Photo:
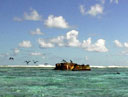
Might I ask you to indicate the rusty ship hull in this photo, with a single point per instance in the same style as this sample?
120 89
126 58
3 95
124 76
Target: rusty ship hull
72 66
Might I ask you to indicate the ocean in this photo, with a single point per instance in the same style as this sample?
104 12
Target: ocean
45 82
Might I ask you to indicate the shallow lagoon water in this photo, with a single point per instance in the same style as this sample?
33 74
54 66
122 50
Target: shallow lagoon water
44 82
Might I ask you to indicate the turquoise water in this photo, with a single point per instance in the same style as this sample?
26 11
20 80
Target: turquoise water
40 82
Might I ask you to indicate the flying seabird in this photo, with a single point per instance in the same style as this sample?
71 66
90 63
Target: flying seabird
11 58
35 62
27 62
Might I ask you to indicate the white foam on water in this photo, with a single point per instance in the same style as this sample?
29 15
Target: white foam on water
48 65
111 66
40 65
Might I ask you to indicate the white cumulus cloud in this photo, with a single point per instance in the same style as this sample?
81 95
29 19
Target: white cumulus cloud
82 9
16 51
118 43
56 22
59 41
71 40
114 1
33 15
25 44
126 44
98 46
123 45
44 44
95 10
36 32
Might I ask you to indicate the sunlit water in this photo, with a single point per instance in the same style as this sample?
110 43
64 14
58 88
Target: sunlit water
41 82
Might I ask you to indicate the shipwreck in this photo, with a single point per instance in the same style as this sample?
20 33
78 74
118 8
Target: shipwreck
64 65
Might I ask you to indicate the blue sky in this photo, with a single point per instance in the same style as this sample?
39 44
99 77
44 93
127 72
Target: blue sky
86 31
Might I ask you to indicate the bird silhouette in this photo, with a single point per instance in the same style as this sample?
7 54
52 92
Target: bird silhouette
35 62
71 61
11 58
27 62
64 61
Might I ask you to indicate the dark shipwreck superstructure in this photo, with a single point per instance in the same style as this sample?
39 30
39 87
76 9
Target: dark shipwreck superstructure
72 66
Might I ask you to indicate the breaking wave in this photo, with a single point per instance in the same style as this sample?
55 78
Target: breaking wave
112 66
42 65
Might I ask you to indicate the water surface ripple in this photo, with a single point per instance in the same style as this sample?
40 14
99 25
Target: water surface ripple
41 82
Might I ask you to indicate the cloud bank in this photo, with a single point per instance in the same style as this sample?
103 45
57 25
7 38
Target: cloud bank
71 40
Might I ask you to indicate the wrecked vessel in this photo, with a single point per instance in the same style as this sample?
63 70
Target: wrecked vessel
71 66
